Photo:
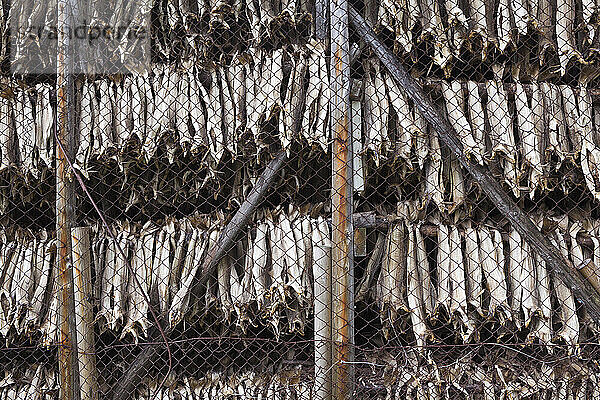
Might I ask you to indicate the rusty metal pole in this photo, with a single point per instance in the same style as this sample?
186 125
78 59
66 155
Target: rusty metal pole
342 247
67 353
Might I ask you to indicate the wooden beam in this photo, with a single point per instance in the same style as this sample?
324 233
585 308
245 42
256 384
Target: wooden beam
581 288
65 202
84 313
342 231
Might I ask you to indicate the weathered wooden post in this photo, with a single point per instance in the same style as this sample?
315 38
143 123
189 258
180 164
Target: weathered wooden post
67 352
342 232
84 313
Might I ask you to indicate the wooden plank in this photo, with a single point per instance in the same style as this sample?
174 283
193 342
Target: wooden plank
581 288
342 232
84 313
65 196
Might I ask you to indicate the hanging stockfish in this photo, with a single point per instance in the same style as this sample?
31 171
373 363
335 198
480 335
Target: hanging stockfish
6 134
491 254
477 119
433 30
179 240
150 88
444 288
473 271
416 288
406 127
44 125
543 330
137 322
183 110
260 267
571 114
197 114
421 137
501 133
314 120
42 271
229 109
25 130
545 14
565 33
294 99
48 325
24 283
86 120
373 266
590 153
214 118
555 121
458 301
123 111
434 187
138 109
530 141
168 123
457 184
566 315
12 257
455 107
106 295
224 268
503 32
522 280
255 94
104 125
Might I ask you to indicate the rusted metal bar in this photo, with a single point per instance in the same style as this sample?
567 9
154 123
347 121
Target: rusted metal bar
139 367
84 313
67 352
342 231
581 288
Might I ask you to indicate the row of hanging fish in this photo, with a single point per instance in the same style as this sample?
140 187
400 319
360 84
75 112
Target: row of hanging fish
213 111
38 382
501 379
491 27
28 302
286 384
474 275
266 279
556 127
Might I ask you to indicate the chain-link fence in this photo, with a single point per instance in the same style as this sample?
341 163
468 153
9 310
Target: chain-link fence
299 200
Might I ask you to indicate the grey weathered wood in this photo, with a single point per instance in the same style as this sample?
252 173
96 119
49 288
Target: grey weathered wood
342 231
581 288
140 366
84 313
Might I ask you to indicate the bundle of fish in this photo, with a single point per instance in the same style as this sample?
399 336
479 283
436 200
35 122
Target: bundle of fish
37 382
28 302
468 379
487 28
465 285
265 279
212 111
556 127
226 24
286 384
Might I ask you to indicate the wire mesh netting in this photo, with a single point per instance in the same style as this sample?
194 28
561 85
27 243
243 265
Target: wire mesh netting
249 199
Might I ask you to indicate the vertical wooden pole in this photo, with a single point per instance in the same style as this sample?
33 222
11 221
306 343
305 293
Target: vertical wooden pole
84 313
67 353
341 203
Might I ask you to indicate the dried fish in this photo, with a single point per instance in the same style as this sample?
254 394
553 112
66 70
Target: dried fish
530 140
415 290
406 127
260 266
6 134
492 262
197 114
444 265
474 283
103 127
86 128
25 130
477 118
434 187
565 30
455 106
214 119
